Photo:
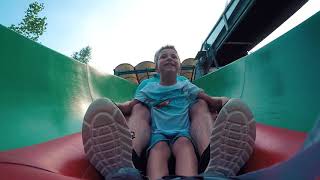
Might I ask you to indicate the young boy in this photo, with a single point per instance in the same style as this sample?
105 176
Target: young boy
108 143
169 102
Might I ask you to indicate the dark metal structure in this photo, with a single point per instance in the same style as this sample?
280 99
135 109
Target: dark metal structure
243 24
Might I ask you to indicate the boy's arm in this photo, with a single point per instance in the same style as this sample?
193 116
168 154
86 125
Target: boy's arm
126 107
215 103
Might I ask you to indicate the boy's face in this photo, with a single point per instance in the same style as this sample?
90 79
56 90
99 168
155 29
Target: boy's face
168 61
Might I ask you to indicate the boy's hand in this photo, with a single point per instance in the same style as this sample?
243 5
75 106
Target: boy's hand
214 103
221 101
224 100
125 107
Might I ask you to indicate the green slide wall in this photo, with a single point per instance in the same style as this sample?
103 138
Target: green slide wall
44 94
279 82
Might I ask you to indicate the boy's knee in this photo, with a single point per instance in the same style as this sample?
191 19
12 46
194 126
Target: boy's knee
160 147
182 143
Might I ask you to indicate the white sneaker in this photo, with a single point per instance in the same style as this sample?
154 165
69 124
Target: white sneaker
106 137
232 139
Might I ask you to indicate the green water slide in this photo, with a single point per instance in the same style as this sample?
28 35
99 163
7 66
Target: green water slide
44 94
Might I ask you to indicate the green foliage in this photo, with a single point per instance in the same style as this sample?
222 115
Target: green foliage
32 26
84 55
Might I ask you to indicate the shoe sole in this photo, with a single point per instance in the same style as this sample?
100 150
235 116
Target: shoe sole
232 138
106 137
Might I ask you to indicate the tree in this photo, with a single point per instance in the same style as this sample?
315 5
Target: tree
32 26
84 55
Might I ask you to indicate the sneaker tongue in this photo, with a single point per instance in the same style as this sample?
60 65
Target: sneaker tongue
214 175
206 176
125 173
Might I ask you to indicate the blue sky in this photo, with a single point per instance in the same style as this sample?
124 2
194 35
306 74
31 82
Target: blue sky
130 31
67 29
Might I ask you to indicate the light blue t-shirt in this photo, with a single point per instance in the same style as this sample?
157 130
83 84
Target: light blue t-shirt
169 105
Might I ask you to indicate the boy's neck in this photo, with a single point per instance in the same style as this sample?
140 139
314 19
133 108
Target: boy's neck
168 79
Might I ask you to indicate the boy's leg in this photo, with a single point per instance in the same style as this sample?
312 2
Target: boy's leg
186 160
201 125
157 166
139 124
107 140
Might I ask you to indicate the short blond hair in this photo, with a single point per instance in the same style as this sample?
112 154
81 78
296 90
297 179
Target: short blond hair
157 55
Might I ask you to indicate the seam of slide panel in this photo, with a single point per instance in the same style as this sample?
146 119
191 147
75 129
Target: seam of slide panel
244 79
88 81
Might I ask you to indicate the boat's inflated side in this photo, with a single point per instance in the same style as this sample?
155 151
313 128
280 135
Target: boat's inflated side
64 158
